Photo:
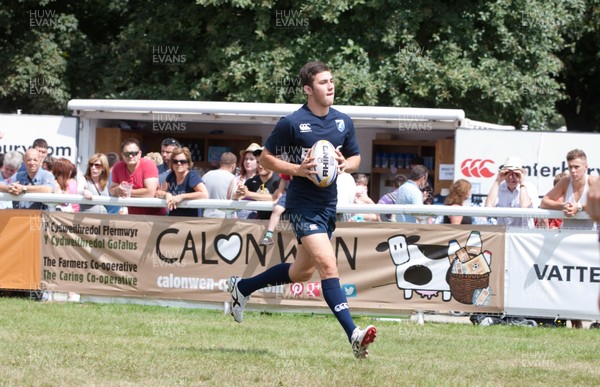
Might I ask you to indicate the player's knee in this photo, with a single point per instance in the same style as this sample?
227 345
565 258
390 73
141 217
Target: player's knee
301 275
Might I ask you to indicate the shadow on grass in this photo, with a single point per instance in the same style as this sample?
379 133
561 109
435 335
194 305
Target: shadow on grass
223 350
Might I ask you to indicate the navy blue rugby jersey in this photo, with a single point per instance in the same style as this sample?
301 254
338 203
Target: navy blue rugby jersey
292 138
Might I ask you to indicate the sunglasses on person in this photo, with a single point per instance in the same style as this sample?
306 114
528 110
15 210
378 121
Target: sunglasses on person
182 162
97 165
131 154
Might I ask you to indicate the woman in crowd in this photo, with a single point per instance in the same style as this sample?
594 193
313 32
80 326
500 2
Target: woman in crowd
94 183
249 162
182 183
459 192
64 172
248 169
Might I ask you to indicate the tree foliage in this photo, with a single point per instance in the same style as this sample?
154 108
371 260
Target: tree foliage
508 61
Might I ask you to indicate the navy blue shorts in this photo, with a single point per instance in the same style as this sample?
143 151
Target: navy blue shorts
308 221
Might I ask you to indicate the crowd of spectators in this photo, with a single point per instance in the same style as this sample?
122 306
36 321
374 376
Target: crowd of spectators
170 174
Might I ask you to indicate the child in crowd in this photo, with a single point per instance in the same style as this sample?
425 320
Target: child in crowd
362 197
279 209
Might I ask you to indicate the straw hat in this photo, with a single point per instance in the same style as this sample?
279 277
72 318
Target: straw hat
513 163
251 148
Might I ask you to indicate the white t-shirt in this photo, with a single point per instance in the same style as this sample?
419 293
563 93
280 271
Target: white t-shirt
217 183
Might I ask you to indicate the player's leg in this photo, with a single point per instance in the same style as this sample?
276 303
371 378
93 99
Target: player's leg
241 289
317 242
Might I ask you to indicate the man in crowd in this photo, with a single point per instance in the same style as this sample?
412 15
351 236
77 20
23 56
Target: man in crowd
166 148
510 189
41 146
219 183
410 192
33 180
573 190
139 175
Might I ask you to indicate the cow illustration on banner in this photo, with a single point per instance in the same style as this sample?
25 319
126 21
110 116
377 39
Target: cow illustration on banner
430 269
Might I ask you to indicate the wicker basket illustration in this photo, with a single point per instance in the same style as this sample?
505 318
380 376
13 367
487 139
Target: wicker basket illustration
462 286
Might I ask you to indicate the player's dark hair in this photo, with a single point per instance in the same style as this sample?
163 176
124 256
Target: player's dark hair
309 70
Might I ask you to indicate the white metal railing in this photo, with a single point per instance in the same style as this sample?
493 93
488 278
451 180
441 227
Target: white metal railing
423 210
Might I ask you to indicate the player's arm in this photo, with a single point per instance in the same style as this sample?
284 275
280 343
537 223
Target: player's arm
349 165
269 161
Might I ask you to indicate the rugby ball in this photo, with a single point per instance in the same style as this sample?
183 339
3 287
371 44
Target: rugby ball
327 167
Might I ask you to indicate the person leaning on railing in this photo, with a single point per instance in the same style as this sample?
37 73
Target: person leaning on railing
135 177
182 183
94 183
511 190
32 180
8 173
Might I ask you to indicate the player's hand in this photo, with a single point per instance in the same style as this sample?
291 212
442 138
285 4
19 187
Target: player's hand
306 169
341 160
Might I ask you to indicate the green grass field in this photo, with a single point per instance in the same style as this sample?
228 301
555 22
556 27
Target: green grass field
71 344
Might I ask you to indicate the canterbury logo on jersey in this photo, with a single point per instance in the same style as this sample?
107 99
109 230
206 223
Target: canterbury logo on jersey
305 128
340 307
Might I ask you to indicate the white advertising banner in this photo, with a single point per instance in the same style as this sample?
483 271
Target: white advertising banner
480 153
552 273
21 130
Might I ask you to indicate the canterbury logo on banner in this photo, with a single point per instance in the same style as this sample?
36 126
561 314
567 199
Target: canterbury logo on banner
477 168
